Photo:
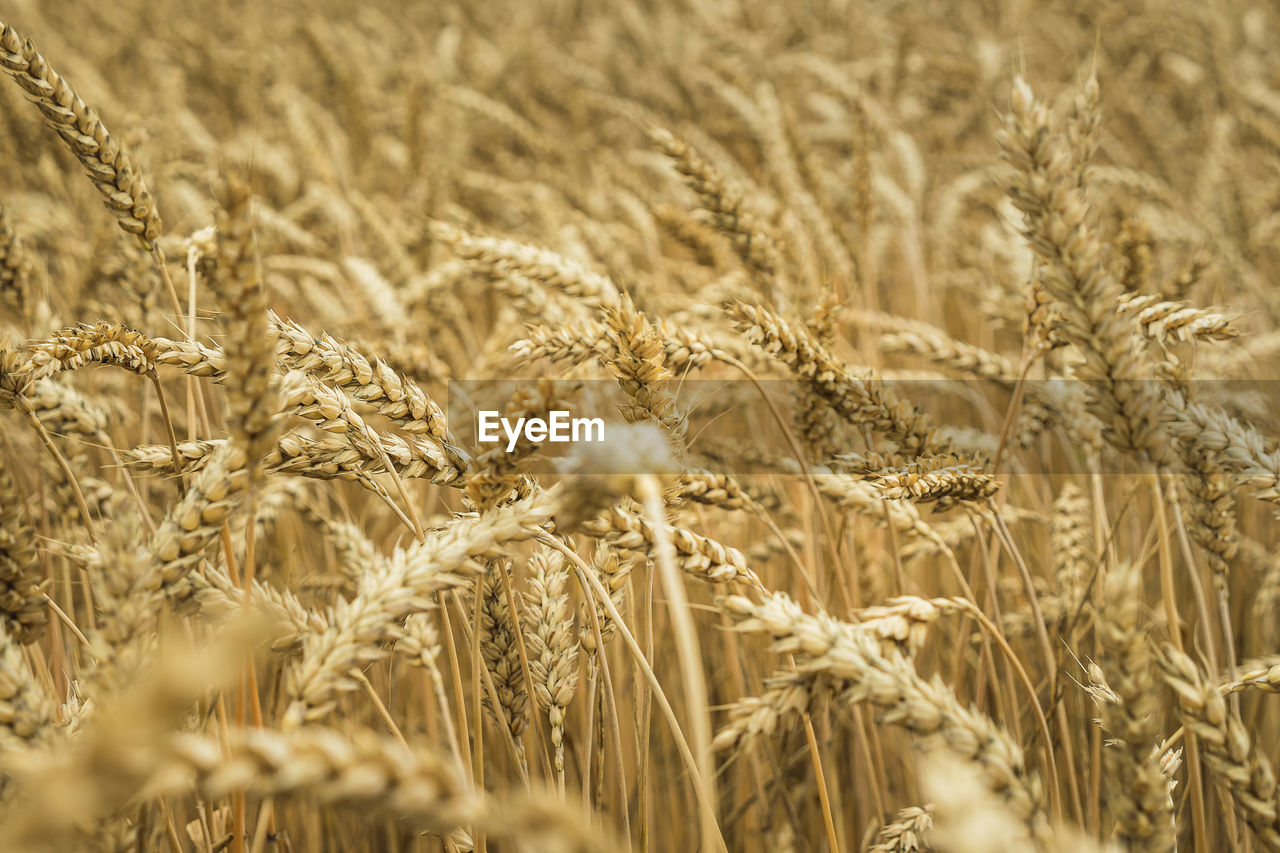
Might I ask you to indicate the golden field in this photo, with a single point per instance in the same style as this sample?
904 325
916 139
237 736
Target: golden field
935 342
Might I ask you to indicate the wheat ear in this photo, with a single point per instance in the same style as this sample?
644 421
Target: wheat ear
551 642
1139 793
908 833
404 583
853 660
15 270
108 163
22 609
1226 745
861 401
364 773
26 712
1044 187
250 341
730 212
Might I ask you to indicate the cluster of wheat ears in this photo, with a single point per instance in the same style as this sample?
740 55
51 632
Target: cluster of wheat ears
257 594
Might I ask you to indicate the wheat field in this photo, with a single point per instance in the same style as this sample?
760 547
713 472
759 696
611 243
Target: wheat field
933 347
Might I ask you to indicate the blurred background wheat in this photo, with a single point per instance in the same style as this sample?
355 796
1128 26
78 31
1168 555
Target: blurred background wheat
257 594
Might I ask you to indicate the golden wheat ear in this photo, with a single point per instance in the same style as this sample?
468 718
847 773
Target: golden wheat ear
15 270
107 162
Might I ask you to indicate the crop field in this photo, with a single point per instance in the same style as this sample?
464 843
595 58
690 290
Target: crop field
639 425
